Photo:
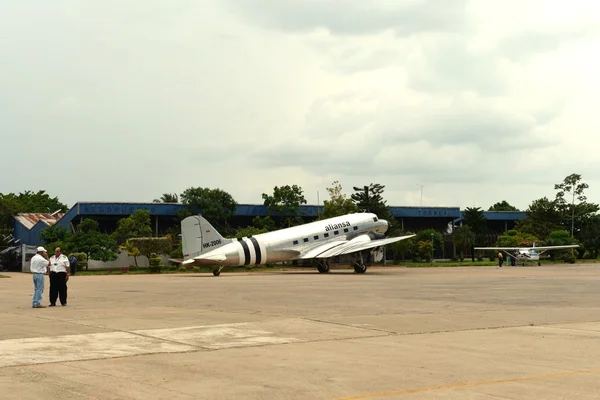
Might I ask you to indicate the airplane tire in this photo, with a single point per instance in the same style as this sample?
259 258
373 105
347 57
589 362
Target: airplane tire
322 269
216 272
360 269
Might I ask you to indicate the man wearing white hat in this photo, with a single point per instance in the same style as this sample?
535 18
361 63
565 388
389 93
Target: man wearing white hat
40 265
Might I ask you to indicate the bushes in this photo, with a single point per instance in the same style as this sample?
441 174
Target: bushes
155 263
81 260
152 245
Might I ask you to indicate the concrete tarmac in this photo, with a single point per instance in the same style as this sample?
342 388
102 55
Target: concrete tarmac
392 333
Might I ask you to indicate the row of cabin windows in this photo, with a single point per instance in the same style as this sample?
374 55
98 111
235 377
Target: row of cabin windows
326 234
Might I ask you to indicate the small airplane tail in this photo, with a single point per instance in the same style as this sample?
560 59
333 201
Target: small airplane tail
198 236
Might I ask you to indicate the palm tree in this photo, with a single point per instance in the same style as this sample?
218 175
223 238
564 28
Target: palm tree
464 238
167 198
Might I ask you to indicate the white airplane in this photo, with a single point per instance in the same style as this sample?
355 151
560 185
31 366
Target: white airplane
528 254
359 234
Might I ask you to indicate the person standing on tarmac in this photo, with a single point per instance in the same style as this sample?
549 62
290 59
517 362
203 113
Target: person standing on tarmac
60 270
40 264
500 259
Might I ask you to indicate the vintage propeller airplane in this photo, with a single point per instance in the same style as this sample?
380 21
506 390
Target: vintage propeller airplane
358 234
527 254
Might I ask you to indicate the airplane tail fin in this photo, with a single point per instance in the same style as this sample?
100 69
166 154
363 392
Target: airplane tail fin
198 236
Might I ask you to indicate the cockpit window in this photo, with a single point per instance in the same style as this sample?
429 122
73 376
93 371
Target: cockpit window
374 219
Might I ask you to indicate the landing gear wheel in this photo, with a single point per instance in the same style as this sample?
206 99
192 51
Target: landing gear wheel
539 264
323 267
217 272
360 269
359 263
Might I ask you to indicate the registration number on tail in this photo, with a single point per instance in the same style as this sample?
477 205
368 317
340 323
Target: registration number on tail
212 243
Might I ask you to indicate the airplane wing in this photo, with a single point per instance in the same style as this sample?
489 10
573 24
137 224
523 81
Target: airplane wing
566 246
341 247
499 248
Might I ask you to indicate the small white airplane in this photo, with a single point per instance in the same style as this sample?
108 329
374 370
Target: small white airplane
359 234
528 254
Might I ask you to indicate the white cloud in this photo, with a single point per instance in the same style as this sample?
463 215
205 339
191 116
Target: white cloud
477 101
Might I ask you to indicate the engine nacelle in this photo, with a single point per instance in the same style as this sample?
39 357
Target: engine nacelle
376 236
367 237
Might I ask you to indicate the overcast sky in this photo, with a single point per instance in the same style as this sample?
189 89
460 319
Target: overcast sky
478 101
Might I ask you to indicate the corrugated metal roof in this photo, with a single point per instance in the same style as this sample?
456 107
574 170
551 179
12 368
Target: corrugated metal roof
28 220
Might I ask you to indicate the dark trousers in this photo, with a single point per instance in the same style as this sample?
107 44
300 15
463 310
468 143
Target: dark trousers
58 287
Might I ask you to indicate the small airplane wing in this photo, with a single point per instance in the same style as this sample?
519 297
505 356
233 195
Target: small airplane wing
566 246
499 248
342 247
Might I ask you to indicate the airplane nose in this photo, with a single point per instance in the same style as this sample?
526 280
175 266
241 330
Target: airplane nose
387 226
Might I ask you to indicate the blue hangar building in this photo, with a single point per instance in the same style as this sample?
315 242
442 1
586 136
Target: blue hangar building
28 226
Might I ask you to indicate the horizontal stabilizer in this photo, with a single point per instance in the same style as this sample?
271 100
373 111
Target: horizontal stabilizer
216 257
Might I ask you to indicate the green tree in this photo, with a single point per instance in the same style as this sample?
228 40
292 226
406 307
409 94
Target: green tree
425 236
574 214
28 201
542 217
97 246
570 185
503 206
559 238
265 224
57 236
249 231
515 238
39 202
167 198
424 250
151 246
338 204
216 205
285 201
132 251
590 236
463 239
474 218
400 248
137 224
369 198
9 206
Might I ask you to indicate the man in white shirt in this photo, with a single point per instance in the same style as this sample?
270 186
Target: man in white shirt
60 269
40 265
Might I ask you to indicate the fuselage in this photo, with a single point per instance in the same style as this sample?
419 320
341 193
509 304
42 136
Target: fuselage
528 254
286 244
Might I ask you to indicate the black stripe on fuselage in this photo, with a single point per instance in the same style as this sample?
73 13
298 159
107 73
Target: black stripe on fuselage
246 251
256 249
